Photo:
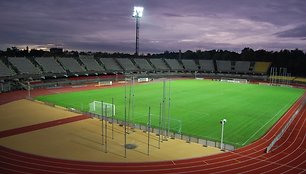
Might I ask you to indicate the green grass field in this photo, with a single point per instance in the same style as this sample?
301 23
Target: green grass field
198 105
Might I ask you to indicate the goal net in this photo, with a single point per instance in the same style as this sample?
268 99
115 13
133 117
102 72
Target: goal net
102 108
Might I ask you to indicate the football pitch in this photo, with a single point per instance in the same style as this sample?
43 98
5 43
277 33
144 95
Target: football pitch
196 106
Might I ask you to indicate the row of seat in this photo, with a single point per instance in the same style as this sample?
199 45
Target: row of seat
62 65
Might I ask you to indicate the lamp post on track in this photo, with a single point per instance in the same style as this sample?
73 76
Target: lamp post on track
223 121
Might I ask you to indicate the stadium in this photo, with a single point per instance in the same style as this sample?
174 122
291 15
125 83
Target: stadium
212 111
141 94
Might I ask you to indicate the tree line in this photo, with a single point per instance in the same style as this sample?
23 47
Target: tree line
293 60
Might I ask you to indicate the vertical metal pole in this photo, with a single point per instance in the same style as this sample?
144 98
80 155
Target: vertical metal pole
125 121
169 99
133 100
271 70
222 129
149 127
105 150
164 111
113 118
130 98
102 122
159 124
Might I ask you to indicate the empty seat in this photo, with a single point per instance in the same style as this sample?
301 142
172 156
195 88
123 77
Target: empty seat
127 64
110 64
71 64
24 65
49 65
242 66
143 64
224 66
207 65
190 65
159 64
5 71
261 67
91 64
174 64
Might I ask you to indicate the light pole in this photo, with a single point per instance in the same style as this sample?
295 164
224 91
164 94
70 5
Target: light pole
137 14
223 121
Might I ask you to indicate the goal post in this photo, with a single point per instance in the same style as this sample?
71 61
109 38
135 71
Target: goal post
108 109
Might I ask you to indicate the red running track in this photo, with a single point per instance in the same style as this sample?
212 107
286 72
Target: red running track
287 157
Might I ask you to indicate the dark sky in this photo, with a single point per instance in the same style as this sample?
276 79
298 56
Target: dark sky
107 25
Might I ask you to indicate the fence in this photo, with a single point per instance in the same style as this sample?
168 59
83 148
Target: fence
181 136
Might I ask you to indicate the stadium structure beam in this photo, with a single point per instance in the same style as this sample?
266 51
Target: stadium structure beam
137 14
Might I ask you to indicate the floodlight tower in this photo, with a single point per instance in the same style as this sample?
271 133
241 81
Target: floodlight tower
223 121
137 14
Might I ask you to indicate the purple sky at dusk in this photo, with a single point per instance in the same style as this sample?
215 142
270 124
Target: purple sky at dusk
107 25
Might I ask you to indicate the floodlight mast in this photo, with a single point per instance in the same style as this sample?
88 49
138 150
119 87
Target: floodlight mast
137 14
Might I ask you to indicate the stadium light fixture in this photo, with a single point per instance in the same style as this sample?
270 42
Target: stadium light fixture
137 14
223 121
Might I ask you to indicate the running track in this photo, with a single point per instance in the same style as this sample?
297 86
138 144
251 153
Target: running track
288 156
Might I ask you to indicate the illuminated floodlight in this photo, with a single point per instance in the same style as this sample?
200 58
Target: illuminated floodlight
138 11
137 14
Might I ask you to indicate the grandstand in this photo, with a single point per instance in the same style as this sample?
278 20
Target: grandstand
174 65
71 64
91 64
190 65
224 66
207 65
242 66
261 67
127 64
49 65
159 64
5 71
143 64
111 65
24 65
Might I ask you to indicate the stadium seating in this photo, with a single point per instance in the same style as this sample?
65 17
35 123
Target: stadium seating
242 66
190 65
110 64
24 65
174 64
261 67
127 64
91 64
5 71
207 65
143 64
49 65
159 64
71 64
224 66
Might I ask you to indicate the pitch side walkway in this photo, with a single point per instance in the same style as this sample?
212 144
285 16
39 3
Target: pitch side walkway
44 125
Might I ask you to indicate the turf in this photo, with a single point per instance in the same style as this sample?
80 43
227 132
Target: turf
196 106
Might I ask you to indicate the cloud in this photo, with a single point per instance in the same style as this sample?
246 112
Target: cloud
166 25
299 32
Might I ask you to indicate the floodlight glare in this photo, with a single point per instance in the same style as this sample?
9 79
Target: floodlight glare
138 12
